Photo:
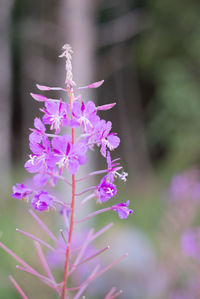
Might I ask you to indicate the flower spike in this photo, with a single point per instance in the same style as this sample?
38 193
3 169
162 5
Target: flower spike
60 142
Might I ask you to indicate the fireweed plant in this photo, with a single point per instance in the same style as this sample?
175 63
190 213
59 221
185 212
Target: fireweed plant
52 154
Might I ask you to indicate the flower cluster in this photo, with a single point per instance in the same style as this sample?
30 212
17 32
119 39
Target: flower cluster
40 201
54 152
56 148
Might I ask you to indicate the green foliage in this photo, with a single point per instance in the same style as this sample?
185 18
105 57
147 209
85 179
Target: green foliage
169 56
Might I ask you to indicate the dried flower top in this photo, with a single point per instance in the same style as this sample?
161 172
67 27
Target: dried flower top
67 53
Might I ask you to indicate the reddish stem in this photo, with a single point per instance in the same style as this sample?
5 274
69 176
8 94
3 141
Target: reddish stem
67 255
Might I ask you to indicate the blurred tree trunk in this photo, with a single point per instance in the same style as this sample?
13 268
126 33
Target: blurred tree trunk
134 147
5 87
78 29
37 58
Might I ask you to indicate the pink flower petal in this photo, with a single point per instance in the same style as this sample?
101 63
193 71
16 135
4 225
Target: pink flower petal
43 87
106 107
39 97
93 85
39 125
96 84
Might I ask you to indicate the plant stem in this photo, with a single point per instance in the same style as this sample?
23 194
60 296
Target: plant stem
67 255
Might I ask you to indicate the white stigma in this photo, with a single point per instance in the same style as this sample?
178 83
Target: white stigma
38 204
63 162
122 175
109 191
56 121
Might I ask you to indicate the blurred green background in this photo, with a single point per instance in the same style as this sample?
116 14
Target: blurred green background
148 52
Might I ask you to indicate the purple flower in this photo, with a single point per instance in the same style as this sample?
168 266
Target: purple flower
122 209
104 138
68 155
105 190
42 159
21 191
55 114
84 115
42 201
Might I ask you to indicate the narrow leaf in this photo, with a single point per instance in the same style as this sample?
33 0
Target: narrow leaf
17 258
44 88
43 226
82 289
110 293
116 294
18 288
92 85
39 97
45 265
106 107
36 239
93 256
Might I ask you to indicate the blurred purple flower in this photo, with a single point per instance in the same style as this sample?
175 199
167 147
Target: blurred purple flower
185 186
56 258
122 209
180 186
42 201
180 294
191 243
21 191
41 179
